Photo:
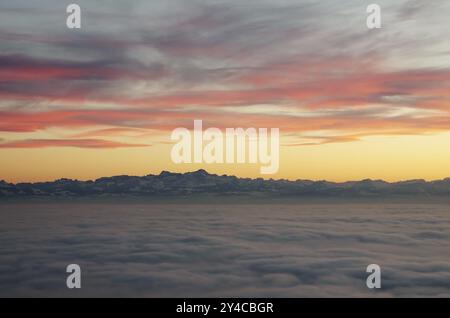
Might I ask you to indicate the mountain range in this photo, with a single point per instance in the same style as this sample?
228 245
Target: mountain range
168 184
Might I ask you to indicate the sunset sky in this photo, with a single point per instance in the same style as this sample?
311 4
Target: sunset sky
351 103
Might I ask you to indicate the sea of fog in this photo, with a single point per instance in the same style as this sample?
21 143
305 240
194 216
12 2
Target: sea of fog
207 250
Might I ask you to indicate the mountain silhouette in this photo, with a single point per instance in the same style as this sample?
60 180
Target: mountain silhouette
201 182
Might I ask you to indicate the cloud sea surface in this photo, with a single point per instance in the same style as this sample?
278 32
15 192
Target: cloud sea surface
149 250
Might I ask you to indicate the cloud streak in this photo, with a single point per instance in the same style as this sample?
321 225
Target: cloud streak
78 143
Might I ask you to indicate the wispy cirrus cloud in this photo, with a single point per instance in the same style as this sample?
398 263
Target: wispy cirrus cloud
77 143
173 63
18 68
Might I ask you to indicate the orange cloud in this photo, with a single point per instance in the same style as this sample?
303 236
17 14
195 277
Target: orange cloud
78 143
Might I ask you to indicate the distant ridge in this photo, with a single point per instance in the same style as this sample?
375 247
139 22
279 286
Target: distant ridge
201 182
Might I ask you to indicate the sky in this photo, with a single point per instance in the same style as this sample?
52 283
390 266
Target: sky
351 103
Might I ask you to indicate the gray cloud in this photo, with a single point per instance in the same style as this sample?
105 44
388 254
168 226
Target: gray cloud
206 250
